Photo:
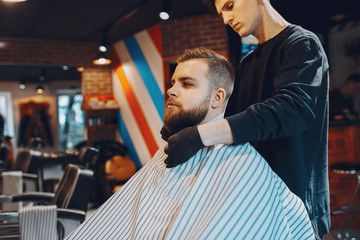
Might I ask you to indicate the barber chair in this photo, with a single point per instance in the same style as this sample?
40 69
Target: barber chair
88 156
66 221
50 173
348 168
22 162
72 194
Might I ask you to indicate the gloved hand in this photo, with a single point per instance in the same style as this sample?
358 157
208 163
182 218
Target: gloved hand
165 132
182 146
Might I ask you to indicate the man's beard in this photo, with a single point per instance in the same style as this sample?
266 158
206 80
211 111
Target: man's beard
186 118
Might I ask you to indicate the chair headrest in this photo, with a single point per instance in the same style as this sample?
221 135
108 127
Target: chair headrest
74 188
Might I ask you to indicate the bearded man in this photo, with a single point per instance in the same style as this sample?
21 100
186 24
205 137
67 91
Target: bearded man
222 192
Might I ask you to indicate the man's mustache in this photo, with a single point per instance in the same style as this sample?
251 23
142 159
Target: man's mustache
173 102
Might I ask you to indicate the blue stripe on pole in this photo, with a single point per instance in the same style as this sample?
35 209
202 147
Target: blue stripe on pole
146 74
128 142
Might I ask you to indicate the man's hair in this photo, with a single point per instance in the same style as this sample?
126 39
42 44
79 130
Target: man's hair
220 71
211 5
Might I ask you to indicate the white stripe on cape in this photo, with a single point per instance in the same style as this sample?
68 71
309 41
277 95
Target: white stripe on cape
223 192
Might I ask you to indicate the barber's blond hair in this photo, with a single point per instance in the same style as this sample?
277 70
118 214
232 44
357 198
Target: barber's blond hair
220 71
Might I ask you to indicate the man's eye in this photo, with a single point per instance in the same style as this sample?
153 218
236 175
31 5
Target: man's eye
229 6
188 84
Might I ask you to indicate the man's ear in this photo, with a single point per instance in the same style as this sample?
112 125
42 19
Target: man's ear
218 98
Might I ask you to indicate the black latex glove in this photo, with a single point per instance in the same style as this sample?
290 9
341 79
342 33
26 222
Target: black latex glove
182 146
165 133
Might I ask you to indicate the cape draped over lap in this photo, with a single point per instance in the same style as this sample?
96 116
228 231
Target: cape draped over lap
223 192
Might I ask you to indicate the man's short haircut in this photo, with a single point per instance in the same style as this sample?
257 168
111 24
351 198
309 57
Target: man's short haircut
211 5
220 71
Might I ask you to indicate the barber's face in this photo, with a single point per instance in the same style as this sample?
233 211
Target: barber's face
189 96
241 15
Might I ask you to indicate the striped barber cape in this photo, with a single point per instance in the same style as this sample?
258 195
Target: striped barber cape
223 192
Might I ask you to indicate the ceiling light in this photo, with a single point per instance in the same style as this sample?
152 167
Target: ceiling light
165 10
102 58
102 48
22 85
39 89
80 69
164 15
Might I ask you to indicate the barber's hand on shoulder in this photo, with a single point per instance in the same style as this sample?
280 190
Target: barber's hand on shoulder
182 146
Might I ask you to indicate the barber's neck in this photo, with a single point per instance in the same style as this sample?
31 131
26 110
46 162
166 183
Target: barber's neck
272 24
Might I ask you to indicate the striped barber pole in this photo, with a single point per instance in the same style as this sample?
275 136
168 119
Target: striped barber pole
138 83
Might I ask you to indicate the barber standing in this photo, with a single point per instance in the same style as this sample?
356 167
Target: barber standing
279 104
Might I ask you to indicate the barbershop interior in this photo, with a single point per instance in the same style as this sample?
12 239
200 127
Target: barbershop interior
83 86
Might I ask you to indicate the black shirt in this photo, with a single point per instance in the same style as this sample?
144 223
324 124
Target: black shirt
280 102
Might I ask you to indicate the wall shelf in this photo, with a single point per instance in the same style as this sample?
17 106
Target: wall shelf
100 118
99 102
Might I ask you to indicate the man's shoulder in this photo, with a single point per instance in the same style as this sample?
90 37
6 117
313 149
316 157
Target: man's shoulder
297 34
298 31
238 150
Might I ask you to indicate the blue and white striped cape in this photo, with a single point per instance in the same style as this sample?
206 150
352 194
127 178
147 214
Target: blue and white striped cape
223 192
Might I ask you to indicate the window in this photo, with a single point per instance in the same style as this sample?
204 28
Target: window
71 120
246 48
249 44
7 113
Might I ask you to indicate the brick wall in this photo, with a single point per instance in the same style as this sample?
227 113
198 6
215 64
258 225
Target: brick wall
203 30
96 81
42 51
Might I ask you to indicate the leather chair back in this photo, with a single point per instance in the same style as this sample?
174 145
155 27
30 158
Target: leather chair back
88 156
74 188
22 160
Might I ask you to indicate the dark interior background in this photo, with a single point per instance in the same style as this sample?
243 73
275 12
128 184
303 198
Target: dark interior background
91 21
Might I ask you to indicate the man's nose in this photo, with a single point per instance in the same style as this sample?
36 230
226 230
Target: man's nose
227 18
172 91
